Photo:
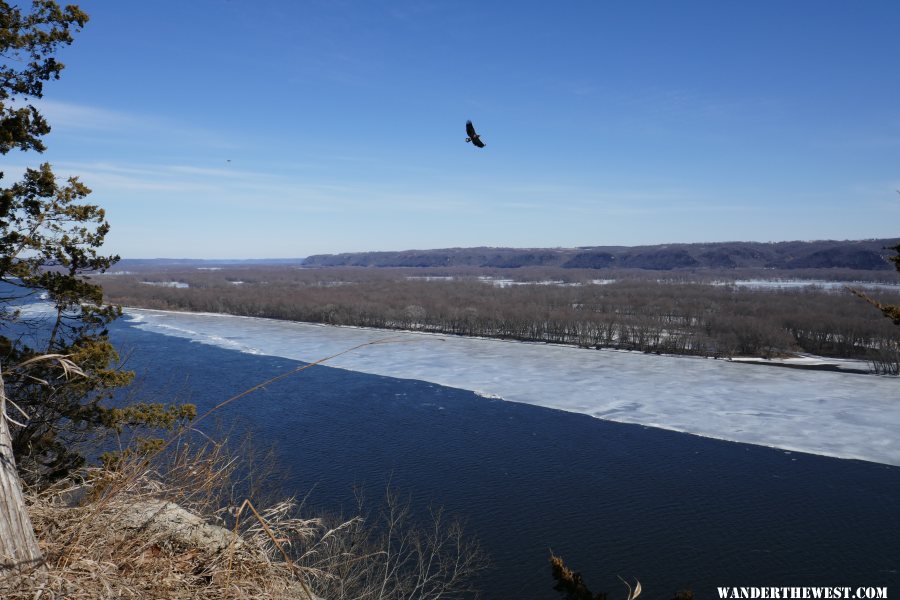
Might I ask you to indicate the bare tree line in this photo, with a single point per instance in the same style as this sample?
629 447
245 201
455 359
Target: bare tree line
681 314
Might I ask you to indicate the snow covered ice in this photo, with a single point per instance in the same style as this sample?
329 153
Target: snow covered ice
834 414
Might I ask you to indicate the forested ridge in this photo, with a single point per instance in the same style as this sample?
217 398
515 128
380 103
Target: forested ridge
821 254
699 313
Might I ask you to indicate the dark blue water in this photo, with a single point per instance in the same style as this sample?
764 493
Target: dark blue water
670 509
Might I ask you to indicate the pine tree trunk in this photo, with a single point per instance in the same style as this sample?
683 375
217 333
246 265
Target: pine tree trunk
19 551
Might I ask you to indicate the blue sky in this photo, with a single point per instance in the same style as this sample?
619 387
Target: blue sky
233 129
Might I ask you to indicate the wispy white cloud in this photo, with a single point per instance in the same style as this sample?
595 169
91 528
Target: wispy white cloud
76 116
202 185
97 123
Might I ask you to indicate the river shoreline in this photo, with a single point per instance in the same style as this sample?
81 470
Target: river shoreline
836 414
796 360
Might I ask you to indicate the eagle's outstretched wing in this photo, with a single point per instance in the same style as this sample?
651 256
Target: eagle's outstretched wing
473 137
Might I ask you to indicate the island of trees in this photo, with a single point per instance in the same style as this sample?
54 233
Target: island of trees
760 312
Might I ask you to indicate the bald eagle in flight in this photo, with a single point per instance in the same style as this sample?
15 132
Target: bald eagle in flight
473 137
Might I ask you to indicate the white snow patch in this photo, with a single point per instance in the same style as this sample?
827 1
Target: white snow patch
169 284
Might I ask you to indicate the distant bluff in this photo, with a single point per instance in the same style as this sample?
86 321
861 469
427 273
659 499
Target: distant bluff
870 255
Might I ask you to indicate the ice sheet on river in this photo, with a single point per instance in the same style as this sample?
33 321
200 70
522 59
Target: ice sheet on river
834 414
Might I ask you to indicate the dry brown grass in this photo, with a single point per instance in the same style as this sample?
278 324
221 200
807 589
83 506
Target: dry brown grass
170 525
147 528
